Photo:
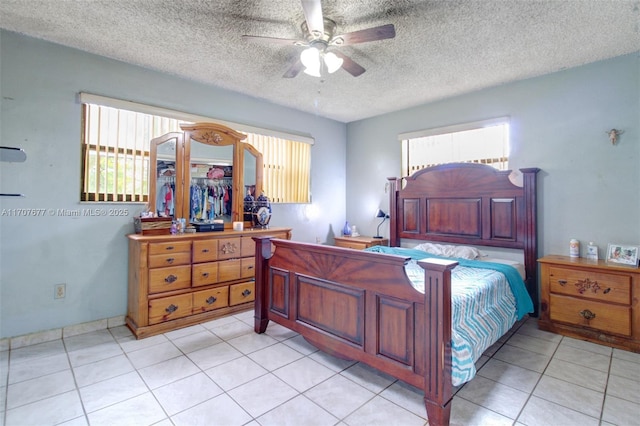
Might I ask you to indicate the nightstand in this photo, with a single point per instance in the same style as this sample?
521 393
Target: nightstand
590 300
360 243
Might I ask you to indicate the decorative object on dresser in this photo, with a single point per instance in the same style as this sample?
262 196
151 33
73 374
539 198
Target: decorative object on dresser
590 300
362 306
181 280
622 254
360 242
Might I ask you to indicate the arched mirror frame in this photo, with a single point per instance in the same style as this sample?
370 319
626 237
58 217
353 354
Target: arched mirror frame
210 134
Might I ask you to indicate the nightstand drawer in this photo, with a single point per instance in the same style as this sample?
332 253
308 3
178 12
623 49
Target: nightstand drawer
589 284
587 313
360 243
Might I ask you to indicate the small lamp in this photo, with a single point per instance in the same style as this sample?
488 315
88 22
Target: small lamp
384 217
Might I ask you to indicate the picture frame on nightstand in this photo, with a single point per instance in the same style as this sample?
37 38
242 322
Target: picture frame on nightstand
623 254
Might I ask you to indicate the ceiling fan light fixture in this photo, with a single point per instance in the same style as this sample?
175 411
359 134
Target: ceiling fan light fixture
310 58
332 62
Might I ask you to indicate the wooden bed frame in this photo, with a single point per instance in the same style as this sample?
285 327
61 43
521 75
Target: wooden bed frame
361 306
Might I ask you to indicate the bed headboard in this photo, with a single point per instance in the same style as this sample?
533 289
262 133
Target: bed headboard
472 204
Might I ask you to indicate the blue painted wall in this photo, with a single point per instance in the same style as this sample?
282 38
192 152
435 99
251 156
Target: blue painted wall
39 83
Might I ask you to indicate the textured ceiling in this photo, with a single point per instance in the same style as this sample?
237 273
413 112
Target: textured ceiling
441 48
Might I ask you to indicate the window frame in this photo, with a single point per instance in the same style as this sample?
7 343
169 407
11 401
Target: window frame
404 138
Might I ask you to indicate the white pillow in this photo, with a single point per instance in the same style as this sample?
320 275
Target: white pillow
462 252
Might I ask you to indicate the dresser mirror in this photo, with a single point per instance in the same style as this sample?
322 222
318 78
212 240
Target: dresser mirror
212 171
163 171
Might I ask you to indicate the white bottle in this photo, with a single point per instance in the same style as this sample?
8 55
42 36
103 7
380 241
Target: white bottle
574 248
592 251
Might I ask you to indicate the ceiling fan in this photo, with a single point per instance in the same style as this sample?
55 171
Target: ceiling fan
321 43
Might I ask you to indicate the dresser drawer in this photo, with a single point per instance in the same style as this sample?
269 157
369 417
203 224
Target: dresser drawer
592 314
167 279
228 270
247 247
170 308
590 284
204 274
241 293
207 300
169 259
229 248
205 251
247 267
172 247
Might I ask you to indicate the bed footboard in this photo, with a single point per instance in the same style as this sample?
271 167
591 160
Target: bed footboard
361 306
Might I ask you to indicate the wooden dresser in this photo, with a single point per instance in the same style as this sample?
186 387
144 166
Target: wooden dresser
590 300
360 243
181 280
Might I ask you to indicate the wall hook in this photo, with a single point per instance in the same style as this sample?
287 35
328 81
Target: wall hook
613 135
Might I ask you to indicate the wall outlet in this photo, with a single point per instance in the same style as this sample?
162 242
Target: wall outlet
59 291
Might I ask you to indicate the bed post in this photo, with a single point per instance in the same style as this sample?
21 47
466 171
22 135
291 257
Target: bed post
438 390
394 184
263 253
530 235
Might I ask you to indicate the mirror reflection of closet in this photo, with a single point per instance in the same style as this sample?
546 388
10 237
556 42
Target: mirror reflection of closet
206 158
163 173
210 178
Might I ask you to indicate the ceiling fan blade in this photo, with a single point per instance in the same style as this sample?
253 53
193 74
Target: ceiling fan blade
313 16
349 64
294 69
363 36
274 40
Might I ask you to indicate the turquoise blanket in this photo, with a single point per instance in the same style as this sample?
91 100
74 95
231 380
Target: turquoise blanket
524 304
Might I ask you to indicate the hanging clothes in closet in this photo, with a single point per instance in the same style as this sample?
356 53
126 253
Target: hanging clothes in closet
210 199
165 199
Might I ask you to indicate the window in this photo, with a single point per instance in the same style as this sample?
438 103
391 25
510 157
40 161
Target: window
115 152
485 142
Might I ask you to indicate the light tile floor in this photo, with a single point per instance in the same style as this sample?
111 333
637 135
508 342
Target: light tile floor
222 373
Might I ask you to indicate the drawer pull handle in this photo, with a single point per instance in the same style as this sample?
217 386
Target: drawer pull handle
250 267
587 314
170 279
169 247
205 250
205 274
211 300
562 282
170 260
171 308
607 290
246 293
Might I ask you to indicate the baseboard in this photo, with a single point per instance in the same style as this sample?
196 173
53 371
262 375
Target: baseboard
59 333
